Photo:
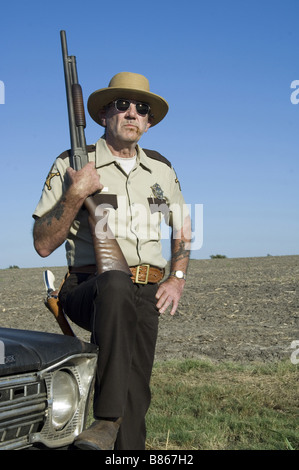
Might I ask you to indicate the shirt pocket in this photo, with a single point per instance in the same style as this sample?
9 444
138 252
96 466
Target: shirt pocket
106 200
158 205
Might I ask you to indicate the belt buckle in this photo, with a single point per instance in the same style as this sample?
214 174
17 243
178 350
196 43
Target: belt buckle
147 266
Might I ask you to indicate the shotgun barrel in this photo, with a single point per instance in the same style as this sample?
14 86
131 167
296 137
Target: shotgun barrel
108 254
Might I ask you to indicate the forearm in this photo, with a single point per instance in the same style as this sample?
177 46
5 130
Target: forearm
51 230
180 248
179 255
170 291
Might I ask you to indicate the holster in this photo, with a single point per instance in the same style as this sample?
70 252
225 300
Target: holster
53 304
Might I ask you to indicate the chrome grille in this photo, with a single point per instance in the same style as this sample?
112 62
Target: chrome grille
23 404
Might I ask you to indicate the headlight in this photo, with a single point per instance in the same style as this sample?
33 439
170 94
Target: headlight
69 387
65 396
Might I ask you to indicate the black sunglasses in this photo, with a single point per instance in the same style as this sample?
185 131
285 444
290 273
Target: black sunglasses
122 105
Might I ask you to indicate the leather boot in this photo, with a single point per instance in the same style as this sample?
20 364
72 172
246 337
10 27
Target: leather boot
101 435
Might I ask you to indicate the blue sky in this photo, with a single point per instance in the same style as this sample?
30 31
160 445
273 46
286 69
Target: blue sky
232 132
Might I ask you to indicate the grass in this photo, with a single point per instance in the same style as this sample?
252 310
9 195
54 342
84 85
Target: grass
198 405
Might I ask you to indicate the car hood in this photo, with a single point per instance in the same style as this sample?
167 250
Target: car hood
27 351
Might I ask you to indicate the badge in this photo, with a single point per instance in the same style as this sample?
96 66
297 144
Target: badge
157 191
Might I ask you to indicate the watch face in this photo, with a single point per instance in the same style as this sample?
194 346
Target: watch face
179 274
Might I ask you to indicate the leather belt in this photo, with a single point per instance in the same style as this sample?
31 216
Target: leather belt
146 274
142 274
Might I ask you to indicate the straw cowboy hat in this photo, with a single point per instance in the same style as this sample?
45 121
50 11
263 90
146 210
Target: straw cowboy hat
131 86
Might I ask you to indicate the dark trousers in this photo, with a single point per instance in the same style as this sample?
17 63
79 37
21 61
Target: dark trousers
123 320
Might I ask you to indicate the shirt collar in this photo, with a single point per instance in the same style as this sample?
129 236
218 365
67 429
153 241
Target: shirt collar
104 157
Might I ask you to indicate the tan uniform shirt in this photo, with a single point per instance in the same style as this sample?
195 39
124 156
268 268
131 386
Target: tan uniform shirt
136 204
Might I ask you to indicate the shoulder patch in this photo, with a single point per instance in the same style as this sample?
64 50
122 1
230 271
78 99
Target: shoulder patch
157 156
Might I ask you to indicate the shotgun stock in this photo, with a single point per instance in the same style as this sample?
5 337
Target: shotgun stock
108 254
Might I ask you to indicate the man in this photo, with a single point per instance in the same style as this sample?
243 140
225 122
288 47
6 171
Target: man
137 188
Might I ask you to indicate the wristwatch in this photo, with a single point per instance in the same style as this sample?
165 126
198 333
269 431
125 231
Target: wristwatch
178 274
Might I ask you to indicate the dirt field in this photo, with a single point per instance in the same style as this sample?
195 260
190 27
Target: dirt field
244 309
